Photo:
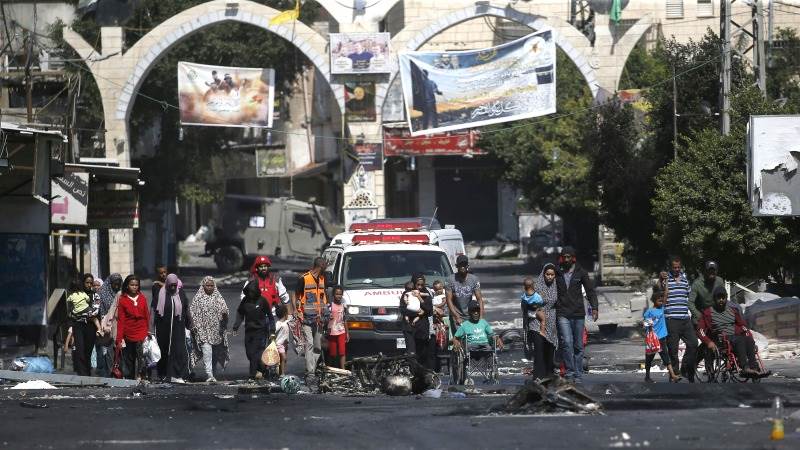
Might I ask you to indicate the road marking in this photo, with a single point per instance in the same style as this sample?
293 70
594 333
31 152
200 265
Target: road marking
134 441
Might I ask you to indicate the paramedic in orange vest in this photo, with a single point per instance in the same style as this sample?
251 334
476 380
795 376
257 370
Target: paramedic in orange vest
270 284
311 308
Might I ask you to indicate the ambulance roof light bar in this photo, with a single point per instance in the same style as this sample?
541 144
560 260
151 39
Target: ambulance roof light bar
380 238
406 225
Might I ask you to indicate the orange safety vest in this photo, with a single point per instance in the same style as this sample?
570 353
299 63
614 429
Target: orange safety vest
313 292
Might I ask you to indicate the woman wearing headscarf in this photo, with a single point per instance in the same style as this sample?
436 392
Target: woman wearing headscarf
107 294
172 319
544 345
209 321
416 306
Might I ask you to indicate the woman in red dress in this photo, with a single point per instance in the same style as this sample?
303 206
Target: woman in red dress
132 327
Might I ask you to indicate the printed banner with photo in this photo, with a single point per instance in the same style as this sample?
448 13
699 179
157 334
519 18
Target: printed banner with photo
359 101
270 162
467 89
361 53
225 96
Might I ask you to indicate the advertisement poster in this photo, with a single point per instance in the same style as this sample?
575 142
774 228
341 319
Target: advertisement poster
114 209
467 89
361 53
370 156
399 142
70 199
359 101
23 282
773 146
270 162
225 96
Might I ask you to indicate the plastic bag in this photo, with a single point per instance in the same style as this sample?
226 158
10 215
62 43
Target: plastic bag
271 357
34 364
151 351
651 343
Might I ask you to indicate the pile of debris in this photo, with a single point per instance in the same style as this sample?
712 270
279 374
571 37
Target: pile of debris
549 396
391 375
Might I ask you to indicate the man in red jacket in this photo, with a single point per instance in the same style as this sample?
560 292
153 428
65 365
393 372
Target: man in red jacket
724 319
270 284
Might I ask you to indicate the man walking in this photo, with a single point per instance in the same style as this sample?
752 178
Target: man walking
311 309
679 320
459 290
270 285
703 287
573 281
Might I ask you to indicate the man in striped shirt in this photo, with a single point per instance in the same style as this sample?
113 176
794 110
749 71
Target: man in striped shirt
679 319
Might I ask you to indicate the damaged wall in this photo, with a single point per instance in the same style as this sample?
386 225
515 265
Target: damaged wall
773 154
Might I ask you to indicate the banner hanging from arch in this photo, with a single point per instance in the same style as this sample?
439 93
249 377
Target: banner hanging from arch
225 96
445 91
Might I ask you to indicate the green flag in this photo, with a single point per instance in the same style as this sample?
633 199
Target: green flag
616 11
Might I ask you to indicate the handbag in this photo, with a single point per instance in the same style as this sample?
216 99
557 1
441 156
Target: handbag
116 372
151 350
651 343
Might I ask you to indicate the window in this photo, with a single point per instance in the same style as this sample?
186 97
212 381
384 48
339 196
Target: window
257 222
392 269
304 222
705 8
674 9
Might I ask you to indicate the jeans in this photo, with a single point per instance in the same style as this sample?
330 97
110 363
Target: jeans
312 347
677 330
133 364
570 338
105 359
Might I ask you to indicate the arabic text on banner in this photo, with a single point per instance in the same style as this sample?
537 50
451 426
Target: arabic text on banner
446 91
225 96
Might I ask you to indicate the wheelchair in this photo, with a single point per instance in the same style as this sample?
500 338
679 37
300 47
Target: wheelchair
464 365
722 366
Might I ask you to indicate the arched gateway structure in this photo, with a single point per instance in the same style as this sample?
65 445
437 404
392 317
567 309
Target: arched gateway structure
119 72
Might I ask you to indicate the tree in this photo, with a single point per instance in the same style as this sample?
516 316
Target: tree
702 208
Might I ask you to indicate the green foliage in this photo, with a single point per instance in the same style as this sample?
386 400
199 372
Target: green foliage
782 66
544 157
702 208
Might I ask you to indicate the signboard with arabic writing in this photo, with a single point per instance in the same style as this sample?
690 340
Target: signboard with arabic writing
455 90
70 198
399 142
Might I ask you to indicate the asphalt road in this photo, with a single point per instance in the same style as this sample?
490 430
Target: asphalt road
199 416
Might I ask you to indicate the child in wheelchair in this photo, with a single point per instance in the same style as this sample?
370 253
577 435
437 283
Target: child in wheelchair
722 321
477 332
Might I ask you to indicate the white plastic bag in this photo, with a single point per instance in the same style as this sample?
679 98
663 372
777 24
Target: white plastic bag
271 357
152 353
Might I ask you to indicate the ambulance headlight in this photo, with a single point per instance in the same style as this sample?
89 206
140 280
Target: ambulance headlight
354 310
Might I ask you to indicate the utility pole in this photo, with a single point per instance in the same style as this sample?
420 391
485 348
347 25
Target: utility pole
725 73
674 113
729 29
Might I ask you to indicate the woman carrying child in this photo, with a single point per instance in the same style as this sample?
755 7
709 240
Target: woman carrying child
543 324
416 305
654 319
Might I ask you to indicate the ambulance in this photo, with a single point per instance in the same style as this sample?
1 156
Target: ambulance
372 261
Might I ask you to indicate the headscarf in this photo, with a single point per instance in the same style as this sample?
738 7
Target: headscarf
549 297
207 311
177 307
107 294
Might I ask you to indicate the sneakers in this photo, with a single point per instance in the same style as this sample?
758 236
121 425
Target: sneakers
177 380
259 376
211 380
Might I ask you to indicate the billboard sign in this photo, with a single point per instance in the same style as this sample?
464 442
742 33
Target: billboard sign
399 142
70 195
225 96
446 91
773 154
361 53
270 162
114 209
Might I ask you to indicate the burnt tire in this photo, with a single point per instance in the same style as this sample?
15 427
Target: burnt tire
229 259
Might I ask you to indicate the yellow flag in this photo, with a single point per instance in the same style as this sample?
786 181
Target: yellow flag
287 16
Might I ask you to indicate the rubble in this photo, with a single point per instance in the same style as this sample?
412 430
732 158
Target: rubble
548 397
391 375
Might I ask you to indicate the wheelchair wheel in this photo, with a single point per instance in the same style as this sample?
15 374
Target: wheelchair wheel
457 367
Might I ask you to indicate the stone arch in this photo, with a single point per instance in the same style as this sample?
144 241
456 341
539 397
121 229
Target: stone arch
625 45
160 39
567 37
